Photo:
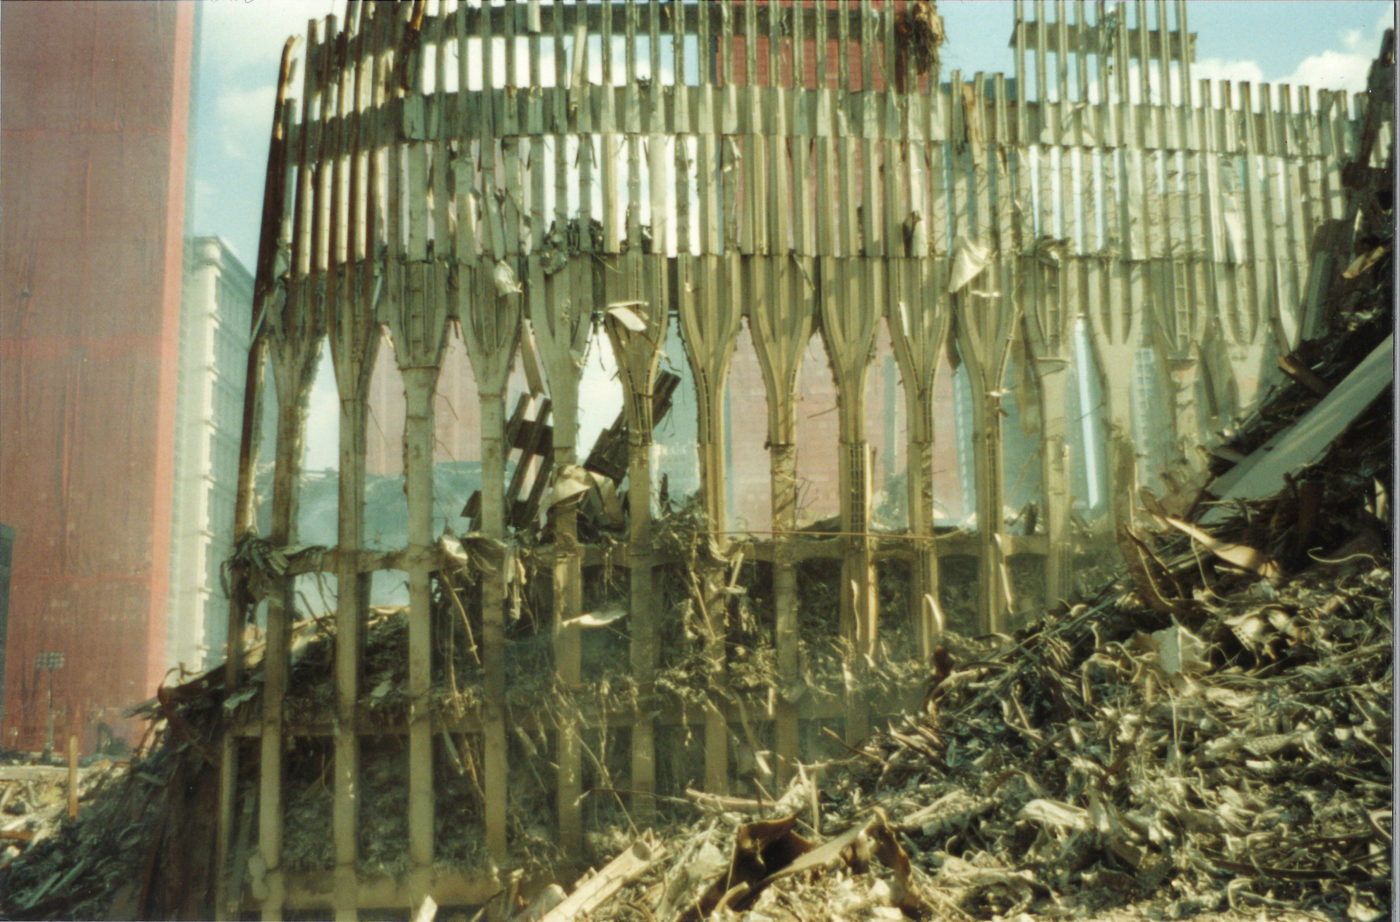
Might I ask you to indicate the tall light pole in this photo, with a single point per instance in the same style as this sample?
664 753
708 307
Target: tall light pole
49 661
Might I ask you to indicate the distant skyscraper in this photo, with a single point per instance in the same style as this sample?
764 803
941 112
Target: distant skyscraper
216 306
94 135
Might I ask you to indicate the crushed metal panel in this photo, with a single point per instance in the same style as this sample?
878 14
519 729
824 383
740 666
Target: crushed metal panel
1261 474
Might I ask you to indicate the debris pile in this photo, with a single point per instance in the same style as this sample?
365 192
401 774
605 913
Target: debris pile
1210 733
921 35
1112 754
140 847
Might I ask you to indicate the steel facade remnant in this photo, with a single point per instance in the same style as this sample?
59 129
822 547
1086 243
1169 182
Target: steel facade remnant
415 183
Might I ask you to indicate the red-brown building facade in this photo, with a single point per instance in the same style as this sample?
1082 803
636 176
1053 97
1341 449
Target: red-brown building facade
96 102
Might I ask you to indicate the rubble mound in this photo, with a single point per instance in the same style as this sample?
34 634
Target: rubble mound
1210 735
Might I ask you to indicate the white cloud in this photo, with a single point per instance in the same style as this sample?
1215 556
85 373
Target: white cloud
1219 70
1332 70
1344 68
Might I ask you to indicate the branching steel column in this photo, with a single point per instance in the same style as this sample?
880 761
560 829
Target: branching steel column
417 314
295 328
226 897
561 314
354 337
779 298
710 311
919 316
293 364
638 337
852 295
491 332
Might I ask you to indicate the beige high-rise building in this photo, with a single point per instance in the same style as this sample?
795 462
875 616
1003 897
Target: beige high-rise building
216 305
